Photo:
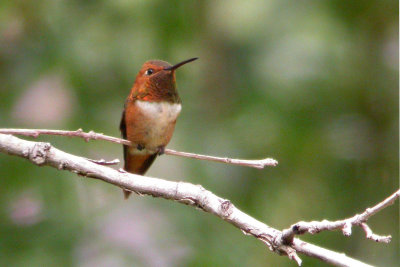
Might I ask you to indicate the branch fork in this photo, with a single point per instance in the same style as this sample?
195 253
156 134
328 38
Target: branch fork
345 225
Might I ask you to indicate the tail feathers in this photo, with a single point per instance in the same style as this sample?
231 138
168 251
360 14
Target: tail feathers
127 193
137 164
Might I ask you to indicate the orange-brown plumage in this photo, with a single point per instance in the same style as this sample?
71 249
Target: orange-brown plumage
150 114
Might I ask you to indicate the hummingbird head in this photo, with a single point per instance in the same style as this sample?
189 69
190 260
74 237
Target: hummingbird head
156 81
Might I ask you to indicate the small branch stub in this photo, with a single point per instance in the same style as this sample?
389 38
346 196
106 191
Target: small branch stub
104 162
38 154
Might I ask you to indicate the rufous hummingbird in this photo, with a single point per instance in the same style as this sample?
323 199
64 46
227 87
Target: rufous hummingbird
149 116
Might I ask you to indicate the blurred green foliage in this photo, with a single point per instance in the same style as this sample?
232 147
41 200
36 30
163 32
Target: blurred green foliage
313 84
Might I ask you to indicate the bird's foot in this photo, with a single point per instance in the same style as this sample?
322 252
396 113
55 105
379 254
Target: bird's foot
160 150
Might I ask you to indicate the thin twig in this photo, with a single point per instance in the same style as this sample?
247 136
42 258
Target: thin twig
377 238
194 195
258 164
344 225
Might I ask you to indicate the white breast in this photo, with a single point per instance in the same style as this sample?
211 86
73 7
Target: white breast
163 112
161 117
160 120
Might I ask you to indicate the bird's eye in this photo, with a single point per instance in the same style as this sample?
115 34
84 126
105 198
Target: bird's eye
149 72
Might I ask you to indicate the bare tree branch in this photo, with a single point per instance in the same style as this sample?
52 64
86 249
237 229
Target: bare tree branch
345 225
258 164
42 154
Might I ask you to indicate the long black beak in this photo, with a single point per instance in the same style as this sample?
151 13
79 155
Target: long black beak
174 67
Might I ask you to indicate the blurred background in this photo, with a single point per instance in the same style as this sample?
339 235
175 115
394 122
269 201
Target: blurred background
313 84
